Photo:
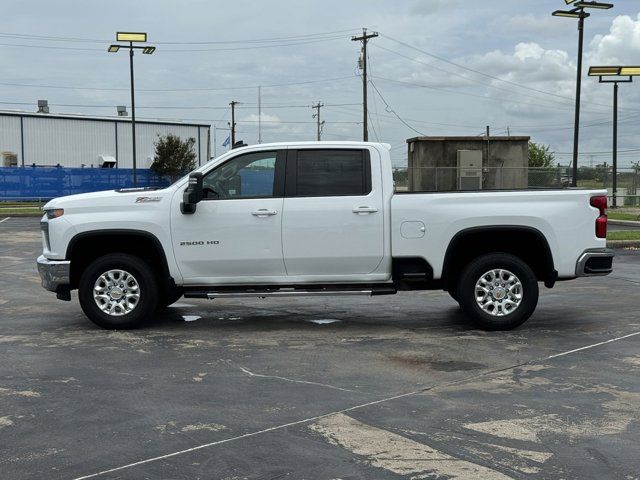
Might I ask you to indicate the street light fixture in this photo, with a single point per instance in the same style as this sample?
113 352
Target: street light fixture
132 37
578 12
598 5
615 75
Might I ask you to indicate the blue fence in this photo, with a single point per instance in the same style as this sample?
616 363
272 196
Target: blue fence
45 183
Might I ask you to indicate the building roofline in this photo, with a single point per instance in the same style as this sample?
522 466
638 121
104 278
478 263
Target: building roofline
469 139
72 116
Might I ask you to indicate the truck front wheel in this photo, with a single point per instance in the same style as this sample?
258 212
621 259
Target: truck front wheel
118 291
498 291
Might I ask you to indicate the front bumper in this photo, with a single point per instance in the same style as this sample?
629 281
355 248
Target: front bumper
54 273
595 261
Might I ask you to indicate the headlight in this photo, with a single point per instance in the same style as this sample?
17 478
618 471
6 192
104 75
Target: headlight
54 213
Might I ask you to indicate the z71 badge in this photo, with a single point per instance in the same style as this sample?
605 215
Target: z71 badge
148 199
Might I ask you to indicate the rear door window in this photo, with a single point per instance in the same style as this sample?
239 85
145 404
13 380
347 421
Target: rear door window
331 172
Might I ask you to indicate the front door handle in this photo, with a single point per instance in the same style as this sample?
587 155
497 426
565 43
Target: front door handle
364 209
264 212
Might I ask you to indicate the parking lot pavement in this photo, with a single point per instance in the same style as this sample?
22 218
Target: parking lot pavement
383 387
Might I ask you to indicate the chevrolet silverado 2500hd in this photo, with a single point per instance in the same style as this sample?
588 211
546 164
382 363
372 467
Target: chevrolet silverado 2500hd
316 218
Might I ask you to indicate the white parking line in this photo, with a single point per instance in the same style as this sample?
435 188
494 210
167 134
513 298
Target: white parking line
345 410
592 346
4 219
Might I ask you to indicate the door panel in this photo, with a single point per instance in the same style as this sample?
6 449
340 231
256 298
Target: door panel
226 238
329 226
236 231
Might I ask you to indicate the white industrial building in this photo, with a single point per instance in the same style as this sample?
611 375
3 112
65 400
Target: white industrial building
44 139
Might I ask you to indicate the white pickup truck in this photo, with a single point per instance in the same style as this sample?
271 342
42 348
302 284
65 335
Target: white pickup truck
316 218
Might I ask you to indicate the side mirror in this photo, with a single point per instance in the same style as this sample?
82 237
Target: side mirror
193 194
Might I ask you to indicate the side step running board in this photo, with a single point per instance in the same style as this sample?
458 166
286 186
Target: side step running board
291 292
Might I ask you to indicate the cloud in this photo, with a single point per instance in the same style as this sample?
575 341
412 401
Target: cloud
528 63
620 46
265 117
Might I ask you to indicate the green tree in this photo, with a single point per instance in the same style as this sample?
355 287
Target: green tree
540 156
173 157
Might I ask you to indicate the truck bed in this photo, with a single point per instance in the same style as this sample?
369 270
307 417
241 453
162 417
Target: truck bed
558 214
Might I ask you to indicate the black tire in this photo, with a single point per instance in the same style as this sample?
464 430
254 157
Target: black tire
148 291
170 297
466 292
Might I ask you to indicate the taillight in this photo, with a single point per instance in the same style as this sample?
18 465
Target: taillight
600 203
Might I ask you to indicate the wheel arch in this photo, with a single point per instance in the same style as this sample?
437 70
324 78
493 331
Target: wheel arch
527 243
85 247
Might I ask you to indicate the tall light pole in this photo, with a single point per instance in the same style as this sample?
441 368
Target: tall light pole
232 125
615 75
132 37
578 12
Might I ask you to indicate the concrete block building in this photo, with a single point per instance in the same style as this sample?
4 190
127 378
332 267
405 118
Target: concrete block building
467 163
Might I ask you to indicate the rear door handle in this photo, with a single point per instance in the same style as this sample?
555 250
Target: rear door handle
264 212
364 209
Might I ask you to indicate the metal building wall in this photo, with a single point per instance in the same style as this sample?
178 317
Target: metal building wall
73 142
10 136
146 135
70 143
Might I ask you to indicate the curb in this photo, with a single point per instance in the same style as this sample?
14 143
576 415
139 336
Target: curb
620 244
630 223
20 215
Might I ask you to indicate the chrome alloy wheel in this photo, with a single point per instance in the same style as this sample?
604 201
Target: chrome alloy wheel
498 292
116 292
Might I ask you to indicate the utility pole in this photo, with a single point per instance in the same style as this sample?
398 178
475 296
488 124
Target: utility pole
488 144
364 38
316 115
232 125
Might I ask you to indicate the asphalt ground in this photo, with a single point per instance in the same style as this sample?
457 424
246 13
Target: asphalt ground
332 388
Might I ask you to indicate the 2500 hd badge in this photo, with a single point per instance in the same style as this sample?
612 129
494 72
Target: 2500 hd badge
200 242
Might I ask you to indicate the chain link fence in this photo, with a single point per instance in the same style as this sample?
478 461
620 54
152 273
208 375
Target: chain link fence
449 179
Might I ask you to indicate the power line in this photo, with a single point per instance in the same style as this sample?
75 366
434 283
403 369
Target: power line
188 50
378 131
300 121
392 111
634 150
419 121
481 97
478 72
205 89
177 107
464 77
215 42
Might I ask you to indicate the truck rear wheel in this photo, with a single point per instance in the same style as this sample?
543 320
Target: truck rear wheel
498 291
118 291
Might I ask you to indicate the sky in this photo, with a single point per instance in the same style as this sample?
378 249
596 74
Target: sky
438 67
